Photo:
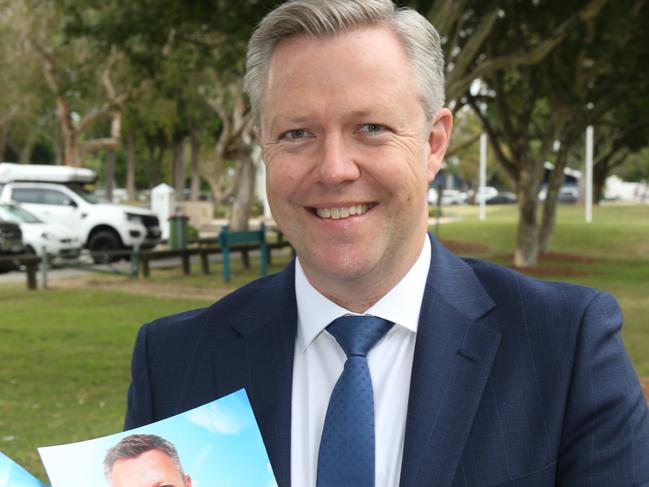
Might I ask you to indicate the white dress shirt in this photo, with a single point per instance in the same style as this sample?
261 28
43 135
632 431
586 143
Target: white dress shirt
319 361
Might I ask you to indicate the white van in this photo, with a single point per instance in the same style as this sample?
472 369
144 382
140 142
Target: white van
60 194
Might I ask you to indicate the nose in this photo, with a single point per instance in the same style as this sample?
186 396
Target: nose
336 165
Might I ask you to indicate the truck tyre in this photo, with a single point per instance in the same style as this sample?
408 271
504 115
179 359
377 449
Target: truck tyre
104 241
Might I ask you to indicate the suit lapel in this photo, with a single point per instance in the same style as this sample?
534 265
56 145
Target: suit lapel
452 362
269 327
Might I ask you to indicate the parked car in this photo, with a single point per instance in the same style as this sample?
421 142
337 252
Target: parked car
57 241
568 194
484 194
11 244
57 194
449 197
453 197
502 198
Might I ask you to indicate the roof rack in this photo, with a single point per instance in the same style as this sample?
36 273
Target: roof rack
10 172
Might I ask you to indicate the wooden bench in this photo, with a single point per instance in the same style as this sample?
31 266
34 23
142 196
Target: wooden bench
145 257
30 261
255 238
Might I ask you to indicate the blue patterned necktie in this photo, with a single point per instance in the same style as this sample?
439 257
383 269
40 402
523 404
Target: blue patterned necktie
346 457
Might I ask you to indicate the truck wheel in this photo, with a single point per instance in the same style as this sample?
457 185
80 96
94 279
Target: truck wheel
101 242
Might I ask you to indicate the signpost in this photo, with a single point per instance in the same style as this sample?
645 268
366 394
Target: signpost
483 175
589 174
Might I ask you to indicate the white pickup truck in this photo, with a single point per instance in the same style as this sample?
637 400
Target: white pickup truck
58 194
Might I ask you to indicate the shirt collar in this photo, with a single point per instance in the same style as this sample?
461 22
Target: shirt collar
401 305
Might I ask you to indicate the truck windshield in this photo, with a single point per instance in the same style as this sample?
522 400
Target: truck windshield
84 193
17 214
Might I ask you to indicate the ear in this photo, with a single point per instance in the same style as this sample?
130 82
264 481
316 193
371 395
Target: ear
188 481
439 136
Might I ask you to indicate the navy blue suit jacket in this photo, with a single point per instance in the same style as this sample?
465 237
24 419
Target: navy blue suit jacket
515 381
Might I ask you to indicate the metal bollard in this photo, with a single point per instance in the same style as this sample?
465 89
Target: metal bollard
135 261
44 268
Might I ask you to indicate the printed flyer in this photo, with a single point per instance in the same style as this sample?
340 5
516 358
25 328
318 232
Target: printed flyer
217 444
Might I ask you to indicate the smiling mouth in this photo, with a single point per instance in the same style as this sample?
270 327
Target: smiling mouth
342 212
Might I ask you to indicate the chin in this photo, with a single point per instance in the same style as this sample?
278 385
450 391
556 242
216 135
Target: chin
342 266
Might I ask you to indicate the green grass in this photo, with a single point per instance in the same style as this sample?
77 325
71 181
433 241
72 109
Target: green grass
64 353
64 367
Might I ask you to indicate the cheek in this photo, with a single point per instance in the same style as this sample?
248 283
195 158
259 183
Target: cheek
283 177
401 171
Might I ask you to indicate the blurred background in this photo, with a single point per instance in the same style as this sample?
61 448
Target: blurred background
140 103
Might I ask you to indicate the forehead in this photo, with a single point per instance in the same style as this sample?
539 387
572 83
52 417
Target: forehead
344 67
149 469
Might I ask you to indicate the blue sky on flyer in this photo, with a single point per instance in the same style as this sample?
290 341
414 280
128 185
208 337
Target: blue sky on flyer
219 445
13 475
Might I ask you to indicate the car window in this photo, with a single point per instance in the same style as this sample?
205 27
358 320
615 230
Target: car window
53 197
26 195
85 193
17 214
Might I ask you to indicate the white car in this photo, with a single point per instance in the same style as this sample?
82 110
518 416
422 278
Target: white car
485 194
58 241
453 197
60 194
449 197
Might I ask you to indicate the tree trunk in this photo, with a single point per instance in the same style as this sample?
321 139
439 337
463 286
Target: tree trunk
57 143
244 194
3 141
195 163
110 173
68 134
28 147
156 147
215 179
131 190
600 173
178 167
549 215
527 242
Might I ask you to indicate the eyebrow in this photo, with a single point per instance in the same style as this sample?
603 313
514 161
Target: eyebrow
304 119
298 121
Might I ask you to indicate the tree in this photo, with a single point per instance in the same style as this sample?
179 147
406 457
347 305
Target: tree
23 122
205 42
82 83
620 134
528 109
589 78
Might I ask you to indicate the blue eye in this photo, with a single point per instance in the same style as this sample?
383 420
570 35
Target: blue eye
372 128
294 134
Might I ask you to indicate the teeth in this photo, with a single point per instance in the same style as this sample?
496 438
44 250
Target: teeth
344 212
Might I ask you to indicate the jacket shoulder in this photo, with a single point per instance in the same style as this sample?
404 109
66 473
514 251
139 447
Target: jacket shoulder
504 285
216 314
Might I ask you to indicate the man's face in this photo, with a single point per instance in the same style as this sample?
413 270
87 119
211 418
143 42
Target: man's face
149 469
349 156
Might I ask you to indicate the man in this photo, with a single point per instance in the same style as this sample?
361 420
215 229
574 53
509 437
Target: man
485 377
144 461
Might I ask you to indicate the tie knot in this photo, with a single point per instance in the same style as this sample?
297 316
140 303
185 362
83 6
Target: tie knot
358 334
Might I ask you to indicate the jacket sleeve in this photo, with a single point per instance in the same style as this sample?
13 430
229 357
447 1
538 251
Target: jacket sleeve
139 404
605 438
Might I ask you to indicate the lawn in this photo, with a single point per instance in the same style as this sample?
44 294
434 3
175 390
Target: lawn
64 352
64 367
